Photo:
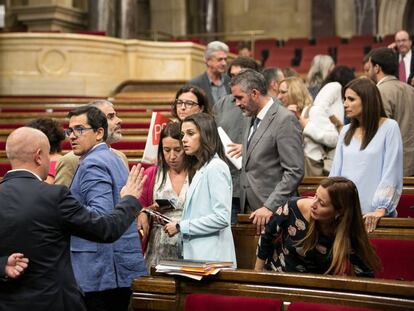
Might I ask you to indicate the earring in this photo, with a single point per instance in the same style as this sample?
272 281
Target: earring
337 216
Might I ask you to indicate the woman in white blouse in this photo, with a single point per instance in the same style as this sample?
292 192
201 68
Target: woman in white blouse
326 118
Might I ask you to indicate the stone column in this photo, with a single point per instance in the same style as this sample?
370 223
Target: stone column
128 19
103 16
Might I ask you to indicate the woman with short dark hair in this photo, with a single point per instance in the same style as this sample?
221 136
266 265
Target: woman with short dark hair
190 99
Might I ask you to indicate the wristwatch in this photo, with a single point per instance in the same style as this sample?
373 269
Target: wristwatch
177 226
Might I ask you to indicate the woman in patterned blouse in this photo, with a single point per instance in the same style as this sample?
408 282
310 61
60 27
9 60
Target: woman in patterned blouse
324 234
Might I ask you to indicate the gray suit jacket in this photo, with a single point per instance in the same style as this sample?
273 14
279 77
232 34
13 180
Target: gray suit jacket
273 164
203 82
398 99
231 119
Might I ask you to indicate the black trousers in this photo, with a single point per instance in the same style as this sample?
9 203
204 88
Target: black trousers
116 299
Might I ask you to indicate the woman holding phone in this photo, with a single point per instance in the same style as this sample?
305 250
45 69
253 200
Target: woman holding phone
205 223
166 182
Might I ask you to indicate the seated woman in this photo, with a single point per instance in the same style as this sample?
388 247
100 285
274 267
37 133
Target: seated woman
369 152
56 135
324 234
205 224
168 180
190 99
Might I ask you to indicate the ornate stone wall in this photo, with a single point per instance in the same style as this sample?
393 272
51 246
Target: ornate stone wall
85 65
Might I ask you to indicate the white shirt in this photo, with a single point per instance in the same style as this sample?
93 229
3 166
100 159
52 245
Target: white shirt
261 114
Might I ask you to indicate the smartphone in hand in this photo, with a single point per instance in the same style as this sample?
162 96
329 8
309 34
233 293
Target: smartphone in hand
165 205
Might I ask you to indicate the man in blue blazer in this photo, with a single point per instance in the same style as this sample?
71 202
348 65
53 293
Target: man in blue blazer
37 219
214 80
273 160
103 271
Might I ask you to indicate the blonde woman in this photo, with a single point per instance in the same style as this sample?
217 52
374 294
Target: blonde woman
295 96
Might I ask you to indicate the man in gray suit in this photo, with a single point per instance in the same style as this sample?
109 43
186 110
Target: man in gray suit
231 119
273 160
214 80
398 100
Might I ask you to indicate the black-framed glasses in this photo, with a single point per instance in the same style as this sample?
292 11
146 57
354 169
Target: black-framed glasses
186 103
77 130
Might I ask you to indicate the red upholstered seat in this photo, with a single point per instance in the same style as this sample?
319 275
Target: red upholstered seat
207 302
397 257
405 206
307 306
4 167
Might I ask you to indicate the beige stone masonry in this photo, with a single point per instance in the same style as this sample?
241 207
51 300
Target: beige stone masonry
85 65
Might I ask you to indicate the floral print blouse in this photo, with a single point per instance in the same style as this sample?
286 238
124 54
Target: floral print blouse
278 245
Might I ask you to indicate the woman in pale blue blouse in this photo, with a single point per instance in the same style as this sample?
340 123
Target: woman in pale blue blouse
369 152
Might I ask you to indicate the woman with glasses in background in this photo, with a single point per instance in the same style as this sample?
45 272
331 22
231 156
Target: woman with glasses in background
190 99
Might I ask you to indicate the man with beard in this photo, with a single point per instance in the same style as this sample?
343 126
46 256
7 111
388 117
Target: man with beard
66 165
397 98
273 160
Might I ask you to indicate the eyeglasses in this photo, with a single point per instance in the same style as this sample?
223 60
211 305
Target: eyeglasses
77 131
186 103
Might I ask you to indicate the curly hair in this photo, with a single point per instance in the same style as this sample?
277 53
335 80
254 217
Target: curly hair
52 129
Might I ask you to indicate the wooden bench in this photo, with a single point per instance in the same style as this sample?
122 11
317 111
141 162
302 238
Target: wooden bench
162 292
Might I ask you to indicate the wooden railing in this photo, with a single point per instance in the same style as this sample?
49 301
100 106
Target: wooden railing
161 292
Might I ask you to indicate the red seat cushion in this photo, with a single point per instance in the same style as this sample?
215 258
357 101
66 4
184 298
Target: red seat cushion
307 306
397 257
206 302
4 167
405 206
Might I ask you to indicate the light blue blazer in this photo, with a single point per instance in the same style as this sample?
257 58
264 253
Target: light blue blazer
205 224
96 185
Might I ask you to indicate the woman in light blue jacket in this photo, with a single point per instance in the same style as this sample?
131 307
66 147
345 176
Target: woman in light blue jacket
205 224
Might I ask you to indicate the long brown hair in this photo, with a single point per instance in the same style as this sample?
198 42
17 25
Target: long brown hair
173 130
349 231
372 110
210 142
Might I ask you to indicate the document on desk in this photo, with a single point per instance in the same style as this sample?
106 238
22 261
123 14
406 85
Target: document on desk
225 140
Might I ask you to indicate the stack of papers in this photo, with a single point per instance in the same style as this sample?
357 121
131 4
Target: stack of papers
192 269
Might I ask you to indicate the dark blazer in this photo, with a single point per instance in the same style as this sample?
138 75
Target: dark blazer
3 261
273 164
203 82
37 219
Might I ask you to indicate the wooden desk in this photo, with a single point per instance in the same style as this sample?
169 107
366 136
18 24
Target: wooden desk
162 292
